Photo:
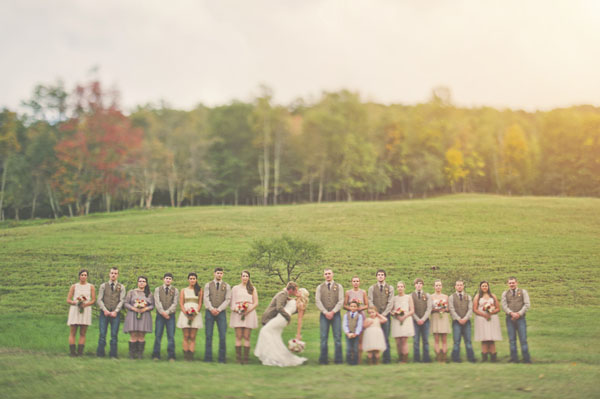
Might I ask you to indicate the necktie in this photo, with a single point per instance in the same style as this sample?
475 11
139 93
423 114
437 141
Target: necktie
419 294
460 295
218 286
112 286
167 290
381 288
352 315
329 286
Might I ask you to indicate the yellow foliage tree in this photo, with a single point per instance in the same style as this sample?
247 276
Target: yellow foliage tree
455 168
515 159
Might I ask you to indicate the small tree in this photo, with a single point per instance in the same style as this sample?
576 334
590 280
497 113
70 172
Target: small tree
282 257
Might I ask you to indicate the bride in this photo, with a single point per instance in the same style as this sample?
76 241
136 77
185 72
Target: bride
270 348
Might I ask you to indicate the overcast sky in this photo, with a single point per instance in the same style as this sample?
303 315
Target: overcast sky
517 54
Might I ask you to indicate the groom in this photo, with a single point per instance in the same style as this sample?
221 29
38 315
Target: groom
278 303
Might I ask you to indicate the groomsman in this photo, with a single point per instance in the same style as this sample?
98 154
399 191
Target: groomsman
423 304
165 299
110 301
217 295
381 295
515 303
329 300
461 309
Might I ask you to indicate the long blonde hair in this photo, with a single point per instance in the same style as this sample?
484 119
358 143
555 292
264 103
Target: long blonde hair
302 298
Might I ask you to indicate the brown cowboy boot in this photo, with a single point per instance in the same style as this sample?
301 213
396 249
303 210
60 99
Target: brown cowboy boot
246 353
72 350
80 350
238 354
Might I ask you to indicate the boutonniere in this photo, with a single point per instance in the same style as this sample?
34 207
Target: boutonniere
424 297
387 290
223 287
335 287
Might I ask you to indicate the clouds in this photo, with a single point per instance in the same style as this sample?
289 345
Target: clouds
529 55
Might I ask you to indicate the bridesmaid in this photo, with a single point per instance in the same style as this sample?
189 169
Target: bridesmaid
402 309
138 321
243 295
359 295
81 296
190 302
487 323
440 322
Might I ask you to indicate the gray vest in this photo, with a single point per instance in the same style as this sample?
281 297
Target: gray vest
461 307
380 299
515 303
166 300
111 298
420 304
217 297
329 297
352 322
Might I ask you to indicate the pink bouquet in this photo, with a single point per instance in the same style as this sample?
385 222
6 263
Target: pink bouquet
80 302
399 312
140 304
241 308
296 346
489 309
440 306
191 312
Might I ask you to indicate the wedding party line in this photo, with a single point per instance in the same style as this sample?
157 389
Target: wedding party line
370 319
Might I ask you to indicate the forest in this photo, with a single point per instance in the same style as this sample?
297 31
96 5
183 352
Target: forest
76 152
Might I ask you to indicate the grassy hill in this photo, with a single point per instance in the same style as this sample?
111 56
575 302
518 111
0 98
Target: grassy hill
551 244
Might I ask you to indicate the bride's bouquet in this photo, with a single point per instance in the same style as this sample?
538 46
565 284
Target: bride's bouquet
296 346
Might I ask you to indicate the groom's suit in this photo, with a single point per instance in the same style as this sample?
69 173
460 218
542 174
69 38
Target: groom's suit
276 307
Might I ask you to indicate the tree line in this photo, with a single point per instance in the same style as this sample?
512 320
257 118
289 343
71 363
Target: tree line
72 153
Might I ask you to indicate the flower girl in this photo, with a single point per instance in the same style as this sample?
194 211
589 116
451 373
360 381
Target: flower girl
374 340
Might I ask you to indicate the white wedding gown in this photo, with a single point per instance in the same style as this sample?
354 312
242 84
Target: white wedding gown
270 348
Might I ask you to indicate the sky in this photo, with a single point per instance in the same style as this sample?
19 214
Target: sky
506 54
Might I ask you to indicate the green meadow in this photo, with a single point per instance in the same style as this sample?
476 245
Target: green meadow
551 244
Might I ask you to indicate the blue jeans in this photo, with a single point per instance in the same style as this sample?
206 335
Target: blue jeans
514 327
463 330
103 322
352 350
421 332
160 325
209 323
336 327
386 333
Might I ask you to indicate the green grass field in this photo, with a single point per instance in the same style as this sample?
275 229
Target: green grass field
551 244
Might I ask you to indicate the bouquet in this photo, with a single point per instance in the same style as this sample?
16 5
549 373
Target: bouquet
440 306
140 304
241 307
191 312
296 346
80 302
489 308
399 312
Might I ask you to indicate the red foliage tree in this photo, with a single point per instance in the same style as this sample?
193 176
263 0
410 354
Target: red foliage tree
98 143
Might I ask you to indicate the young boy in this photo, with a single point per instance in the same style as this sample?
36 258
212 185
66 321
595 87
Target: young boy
353 325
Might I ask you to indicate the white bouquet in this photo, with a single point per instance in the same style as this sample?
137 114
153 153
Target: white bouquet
296 346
